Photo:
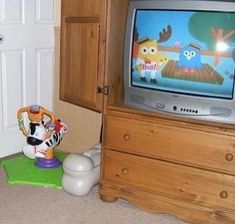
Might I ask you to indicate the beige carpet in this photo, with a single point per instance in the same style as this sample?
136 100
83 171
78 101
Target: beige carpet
23 204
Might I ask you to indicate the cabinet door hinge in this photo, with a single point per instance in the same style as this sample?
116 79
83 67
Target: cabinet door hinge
104 90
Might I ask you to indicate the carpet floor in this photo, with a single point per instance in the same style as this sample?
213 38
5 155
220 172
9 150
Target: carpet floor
25 204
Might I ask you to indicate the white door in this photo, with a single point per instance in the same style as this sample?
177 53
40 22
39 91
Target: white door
26 64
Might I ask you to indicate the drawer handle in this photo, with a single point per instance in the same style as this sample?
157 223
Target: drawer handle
224 194
124 171
126 137
229 157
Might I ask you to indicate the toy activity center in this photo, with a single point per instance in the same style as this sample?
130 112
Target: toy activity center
162 74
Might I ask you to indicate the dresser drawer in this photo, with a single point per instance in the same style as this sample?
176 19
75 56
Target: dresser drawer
172 180
175 143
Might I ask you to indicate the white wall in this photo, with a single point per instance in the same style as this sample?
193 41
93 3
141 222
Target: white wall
58 12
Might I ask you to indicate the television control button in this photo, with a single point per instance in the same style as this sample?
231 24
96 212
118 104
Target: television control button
160 105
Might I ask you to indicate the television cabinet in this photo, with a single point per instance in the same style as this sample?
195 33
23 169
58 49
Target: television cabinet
159 163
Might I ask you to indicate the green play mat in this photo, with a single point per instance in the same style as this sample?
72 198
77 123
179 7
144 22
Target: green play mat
21 170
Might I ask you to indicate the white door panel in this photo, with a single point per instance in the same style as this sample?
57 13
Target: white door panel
12 11
45 62
26 64
45 11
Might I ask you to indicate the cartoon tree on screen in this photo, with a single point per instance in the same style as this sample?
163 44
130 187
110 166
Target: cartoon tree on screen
211 28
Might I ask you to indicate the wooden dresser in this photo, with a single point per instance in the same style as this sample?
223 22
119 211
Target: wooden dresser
170 166
161 164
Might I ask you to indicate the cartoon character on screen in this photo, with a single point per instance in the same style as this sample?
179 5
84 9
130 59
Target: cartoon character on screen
149 59
43 134
190 58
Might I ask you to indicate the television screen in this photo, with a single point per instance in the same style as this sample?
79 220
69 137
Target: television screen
189 52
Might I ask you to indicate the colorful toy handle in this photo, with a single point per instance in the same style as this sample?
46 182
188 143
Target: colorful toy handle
35 113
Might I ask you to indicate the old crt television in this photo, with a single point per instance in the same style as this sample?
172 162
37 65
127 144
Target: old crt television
179 58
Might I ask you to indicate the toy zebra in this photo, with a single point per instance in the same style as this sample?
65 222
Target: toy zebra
42 138
59 130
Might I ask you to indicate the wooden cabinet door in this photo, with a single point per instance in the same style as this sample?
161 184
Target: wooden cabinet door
82 53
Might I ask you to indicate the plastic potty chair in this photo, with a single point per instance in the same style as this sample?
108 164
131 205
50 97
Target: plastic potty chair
82 171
